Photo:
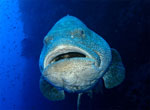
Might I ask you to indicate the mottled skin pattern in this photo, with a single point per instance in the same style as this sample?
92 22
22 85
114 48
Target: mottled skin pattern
77 74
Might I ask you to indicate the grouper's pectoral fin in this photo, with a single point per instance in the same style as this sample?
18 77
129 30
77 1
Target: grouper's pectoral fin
116 71
50 92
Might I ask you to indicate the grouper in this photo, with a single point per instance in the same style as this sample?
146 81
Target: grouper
75 59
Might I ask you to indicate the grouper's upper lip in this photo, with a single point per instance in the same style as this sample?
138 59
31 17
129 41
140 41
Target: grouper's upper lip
65 51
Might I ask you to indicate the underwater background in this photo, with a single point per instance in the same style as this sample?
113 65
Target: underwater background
124 24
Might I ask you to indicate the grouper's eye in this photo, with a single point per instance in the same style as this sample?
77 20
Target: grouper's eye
81 32
47 40
78 33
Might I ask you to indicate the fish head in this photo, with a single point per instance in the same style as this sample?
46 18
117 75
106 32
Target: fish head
69 60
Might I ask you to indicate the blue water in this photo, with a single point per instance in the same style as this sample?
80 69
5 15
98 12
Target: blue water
125 25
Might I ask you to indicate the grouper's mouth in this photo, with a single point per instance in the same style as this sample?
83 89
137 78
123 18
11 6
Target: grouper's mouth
65 52
66 56
71 68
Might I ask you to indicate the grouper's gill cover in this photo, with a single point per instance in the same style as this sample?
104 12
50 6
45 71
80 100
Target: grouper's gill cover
76 59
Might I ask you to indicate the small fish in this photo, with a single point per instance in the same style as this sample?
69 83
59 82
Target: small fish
75 59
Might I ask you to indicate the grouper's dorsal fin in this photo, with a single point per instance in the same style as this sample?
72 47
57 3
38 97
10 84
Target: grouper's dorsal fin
116 71
50 92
